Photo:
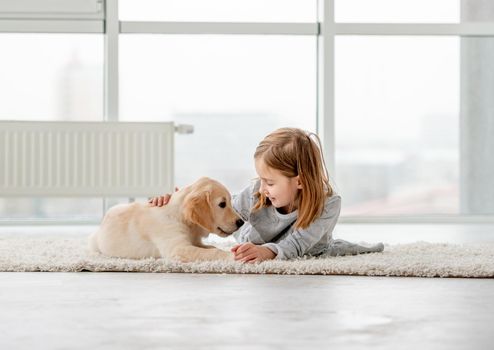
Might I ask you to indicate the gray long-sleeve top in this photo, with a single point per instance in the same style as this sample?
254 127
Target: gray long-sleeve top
274 230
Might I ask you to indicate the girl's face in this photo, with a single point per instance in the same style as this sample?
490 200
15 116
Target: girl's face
281 190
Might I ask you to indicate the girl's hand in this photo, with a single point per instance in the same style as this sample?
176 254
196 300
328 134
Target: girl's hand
161 200
251 253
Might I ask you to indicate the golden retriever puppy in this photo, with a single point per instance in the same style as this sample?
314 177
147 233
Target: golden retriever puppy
173 231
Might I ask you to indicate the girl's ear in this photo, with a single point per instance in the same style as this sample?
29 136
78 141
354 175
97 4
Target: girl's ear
299 184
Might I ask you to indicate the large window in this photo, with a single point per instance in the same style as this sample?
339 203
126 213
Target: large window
399 90
233 89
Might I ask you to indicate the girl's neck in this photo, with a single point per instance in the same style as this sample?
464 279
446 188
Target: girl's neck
287 209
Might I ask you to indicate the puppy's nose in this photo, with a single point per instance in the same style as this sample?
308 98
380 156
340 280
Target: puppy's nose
239 223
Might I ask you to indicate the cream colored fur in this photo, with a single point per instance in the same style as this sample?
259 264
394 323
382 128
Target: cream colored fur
173 231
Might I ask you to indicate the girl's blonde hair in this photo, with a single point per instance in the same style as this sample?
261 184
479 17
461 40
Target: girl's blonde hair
295 152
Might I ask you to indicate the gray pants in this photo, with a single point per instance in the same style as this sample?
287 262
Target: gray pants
339 247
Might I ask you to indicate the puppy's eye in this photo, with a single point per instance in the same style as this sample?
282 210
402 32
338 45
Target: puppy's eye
222 204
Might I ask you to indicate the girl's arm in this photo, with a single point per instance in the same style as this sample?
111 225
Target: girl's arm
300 241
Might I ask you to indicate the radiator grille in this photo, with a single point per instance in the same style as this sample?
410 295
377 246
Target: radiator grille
85 159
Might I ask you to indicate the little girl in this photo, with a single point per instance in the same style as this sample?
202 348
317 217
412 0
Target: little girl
291 209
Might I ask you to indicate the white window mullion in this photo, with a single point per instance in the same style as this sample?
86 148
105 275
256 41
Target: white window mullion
458 29
50 26
131 27
325 88
111 71
111 61
418 219
52 9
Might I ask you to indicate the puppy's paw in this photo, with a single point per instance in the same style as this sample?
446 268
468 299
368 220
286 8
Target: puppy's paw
182 258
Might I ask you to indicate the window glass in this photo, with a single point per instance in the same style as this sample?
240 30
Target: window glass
232 89
51 77
397 11
397 124
219 10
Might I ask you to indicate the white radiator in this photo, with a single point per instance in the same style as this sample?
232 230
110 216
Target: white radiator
98 159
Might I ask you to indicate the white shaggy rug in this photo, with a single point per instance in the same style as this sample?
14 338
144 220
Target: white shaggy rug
68 253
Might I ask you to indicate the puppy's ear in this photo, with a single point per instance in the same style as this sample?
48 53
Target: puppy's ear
197 210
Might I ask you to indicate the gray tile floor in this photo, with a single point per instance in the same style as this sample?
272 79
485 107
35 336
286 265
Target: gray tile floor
187 311
209 311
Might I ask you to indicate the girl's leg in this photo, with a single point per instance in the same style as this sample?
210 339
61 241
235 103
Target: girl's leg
340 247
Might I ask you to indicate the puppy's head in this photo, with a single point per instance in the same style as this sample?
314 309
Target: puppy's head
208 205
